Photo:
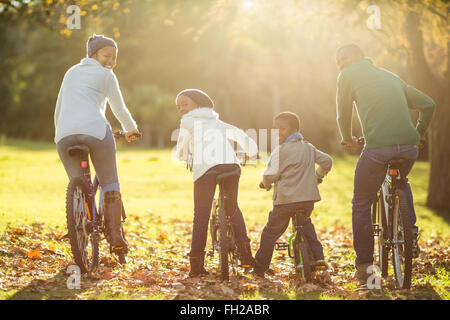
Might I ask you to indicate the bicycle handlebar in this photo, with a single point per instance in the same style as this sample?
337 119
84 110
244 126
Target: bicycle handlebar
122 134
243 162
359 141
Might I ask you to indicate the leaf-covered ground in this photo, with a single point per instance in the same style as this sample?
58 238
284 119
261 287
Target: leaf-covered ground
34 260
157 195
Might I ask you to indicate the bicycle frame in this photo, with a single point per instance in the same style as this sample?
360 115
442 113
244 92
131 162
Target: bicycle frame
297 231
93 188
388 190
297 235
91 221
221 206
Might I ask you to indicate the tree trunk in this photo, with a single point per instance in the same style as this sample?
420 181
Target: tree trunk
439 131
146 135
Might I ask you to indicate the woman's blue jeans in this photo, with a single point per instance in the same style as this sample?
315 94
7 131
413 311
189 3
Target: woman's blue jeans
369 176
204 189
103 156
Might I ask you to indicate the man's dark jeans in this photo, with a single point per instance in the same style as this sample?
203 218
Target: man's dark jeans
204 189
277 224
369 176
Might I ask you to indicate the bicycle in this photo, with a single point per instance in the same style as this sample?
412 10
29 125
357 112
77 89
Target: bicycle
85 222
298 247
222 235
391 226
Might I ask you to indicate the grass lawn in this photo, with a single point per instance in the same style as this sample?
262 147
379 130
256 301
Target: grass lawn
157 194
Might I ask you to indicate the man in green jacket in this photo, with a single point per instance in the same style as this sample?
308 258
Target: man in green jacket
382 101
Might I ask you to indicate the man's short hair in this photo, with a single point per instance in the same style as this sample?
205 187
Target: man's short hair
351 50
292 118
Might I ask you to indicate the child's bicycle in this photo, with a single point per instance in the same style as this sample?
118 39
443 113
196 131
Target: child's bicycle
391 226
223 239
84 222
298 247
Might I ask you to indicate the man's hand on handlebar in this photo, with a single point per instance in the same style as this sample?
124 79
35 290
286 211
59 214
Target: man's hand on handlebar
351 144
354 144
422 142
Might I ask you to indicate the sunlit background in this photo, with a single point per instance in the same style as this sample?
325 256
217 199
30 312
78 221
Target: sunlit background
253 57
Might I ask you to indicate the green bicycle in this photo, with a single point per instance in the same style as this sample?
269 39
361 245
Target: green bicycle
299 249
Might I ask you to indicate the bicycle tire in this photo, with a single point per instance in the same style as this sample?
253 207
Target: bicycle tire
302 259
79 239
402 254
383 251
223 245
213 225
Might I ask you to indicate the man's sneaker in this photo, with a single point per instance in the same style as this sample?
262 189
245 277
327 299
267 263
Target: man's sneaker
257 274
361 273
415 242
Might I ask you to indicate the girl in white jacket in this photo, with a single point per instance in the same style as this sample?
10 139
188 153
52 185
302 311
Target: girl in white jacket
205 140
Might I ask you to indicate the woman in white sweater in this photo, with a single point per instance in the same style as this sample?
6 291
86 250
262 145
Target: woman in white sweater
80 119
207 139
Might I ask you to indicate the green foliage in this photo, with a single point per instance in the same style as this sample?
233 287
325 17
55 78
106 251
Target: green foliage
252 59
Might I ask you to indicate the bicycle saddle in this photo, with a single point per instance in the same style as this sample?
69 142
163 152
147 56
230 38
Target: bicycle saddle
221 177
396 163
300 216
78 149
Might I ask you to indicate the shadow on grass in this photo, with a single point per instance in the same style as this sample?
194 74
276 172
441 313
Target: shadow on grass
54 288
445 214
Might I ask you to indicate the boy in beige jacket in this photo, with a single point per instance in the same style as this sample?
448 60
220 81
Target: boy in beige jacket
292 170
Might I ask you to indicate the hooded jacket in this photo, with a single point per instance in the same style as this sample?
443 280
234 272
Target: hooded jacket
207 141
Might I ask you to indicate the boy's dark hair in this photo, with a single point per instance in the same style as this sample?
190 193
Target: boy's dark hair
352 51
292 118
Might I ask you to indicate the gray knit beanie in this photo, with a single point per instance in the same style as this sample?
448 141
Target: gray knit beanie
198 96
96 42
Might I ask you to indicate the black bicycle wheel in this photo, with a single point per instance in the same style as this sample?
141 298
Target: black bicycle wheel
213 225
223 245
302 258
401 240
84 246
380 247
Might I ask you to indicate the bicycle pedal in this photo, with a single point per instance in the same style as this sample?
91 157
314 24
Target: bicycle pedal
320 267
299 266
118 250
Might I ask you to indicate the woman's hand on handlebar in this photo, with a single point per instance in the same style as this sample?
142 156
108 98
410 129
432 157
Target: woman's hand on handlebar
132 135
